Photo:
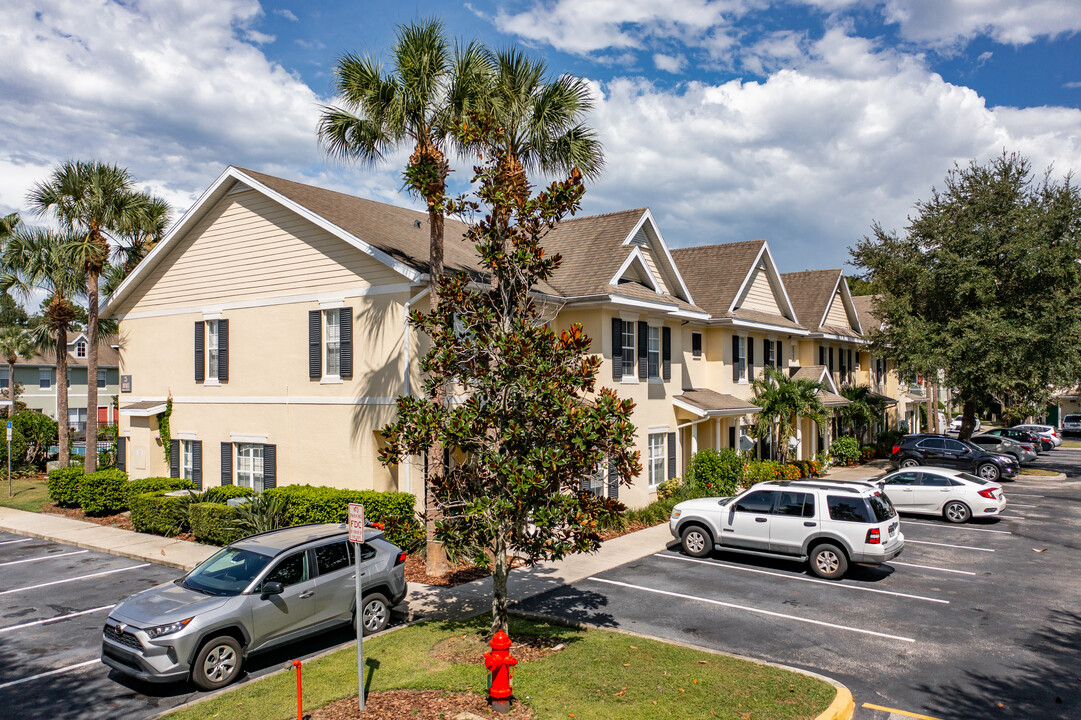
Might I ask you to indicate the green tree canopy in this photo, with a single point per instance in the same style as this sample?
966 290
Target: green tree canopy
984 284
784 400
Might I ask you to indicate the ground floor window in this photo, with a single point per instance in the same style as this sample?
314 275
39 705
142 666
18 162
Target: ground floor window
186 463
249 466
656 459
77 419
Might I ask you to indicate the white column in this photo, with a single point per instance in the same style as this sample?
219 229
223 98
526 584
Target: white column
800 455
694 439
717 434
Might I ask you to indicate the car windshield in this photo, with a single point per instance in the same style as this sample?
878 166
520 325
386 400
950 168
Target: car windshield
882 507
227 572
972 478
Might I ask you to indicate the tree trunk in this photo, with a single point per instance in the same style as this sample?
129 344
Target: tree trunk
91 372
435 562
62 395
500 570
968 420
934 406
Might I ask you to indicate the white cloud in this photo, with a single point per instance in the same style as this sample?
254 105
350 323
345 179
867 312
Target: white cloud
669 63
947 22
287 14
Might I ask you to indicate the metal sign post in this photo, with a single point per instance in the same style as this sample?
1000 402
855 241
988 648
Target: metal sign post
8 433
356 536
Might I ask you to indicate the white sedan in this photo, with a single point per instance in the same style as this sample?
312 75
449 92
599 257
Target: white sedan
955 495
1048 432
955 426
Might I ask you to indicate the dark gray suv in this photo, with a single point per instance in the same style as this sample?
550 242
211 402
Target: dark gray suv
259 593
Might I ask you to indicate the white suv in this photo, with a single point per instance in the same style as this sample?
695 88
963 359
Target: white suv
829 524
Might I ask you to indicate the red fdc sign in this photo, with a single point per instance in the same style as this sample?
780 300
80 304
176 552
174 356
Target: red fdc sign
356 523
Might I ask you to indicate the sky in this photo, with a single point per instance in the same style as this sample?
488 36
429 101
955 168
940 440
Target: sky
801 122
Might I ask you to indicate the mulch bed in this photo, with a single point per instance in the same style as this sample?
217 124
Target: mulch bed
119 520
415 572
625 530
416 705
470 648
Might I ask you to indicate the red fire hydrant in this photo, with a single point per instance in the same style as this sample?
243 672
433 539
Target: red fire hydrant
499 662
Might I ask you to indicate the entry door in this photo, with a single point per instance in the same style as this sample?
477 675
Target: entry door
279 618
746 524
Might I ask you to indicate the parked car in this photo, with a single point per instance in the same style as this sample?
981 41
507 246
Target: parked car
944 451
955 426
1022 452
828 524
1048 432
955 495
1040 444
259 593
1071 425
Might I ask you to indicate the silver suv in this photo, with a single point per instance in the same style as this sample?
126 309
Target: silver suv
829 524
258 593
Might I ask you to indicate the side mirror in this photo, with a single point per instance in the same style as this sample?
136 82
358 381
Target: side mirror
271 588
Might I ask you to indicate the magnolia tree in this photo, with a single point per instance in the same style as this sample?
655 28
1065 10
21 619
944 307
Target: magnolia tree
531 425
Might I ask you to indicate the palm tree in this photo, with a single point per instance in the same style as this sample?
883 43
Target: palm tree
94 201
135 243
863 410
14 343
784 400
421 103
39 259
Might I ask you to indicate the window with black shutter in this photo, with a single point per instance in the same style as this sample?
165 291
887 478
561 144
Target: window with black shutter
346 342
122 454
666 353
821 354
197 463
617 348
315 345
671 455
696 344
200 356
174 458
643 350
227 463
270 466
750 358
223 350
613 481
736 370
831 359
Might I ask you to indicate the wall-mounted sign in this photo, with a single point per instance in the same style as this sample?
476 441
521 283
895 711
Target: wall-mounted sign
125 383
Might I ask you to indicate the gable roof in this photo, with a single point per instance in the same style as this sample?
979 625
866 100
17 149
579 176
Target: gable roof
108 355
828 394
704 402
864 305
812 292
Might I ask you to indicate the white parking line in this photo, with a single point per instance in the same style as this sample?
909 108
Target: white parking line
58 618
1025 506
930 567
962 547
12 542
58 671
751 609
44 557
67 580
955 527
1011 517
1025 495
829 583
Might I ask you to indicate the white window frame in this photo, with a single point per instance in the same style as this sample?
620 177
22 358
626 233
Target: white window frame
186 460
212 357
248 465
653 350
5 381
629 348
332 347
80 349
741 359
655 465
103 378
45 379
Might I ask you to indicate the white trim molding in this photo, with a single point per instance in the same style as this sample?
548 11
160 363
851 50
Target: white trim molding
273 400
184 435
632 256
247 438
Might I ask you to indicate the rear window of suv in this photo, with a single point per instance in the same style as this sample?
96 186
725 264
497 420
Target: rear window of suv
1072 419
874 508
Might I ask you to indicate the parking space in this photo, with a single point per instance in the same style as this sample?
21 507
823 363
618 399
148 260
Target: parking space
971 621
54 600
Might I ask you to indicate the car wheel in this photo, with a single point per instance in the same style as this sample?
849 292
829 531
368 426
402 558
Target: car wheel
956 512
696 541
909 463
217 664
829 562
376 614
988 471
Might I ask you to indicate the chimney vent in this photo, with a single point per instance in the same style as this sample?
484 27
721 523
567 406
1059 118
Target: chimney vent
416 224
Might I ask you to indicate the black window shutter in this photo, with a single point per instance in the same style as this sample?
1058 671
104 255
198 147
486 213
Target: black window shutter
200 355
831 359
821 355
750 358
643 350
671 455
696 344
270 466
617 348
315 343
851 363
666 352
174 458
345 325
197 463
223 350
767 352
226 463
779 345
613 481
735 358
732 438
121 454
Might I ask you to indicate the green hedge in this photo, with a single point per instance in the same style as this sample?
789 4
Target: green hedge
224 493
155 513
213 523
845 450
152 484
717 471
310 504
104 492
63 486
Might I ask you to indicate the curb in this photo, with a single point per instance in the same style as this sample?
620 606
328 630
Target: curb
1049 478
842 707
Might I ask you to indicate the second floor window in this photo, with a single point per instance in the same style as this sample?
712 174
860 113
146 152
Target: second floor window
628 349
654 352
80 349
696 344
101 378
45 379
3 377
740 359
332 343
212 349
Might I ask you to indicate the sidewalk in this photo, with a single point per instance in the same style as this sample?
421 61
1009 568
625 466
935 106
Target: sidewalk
867 471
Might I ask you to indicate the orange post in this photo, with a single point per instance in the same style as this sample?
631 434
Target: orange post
300 696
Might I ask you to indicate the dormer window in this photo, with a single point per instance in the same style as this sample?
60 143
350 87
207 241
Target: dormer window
80 349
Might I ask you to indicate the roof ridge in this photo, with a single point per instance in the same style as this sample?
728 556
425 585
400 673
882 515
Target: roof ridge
605 214
718 245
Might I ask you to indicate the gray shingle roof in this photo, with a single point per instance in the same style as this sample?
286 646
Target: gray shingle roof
713 401
714 273
810 292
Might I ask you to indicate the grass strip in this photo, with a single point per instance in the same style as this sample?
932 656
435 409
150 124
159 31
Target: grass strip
27 493
1039 471
598 674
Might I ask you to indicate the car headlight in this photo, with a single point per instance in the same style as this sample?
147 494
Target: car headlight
675 513
156 632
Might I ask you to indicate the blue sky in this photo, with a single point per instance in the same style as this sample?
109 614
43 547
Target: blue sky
799 122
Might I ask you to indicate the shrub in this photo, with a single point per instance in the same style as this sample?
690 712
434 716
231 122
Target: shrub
145 485
845 450
756 471
807 468
262 514
40 432
156 513
214 523
63 486
886 440
104 492
668 488
19 450
224 493
717 471
790 472
868 452
310 504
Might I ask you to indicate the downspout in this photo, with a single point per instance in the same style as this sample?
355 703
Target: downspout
407 389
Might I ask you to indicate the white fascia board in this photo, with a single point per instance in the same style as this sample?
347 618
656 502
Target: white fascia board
635 254
846 298
781 329
647 216
211 195
827 378
746 280
692 409
780 282
690 314
648 304
141 412
839 338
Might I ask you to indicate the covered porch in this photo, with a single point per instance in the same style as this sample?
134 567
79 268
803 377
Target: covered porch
709 419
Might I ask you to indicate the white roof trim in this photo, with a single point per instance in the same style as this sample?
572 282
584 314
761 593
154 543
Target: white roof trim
779 329
828 380
699 412
692 409
674 269
143 412
846 298
775 282
636 254
195 212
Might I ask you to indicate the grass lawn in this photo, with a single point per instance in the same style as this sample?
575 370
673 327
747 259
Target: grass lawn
599 674
29 493
1071 444
1038 471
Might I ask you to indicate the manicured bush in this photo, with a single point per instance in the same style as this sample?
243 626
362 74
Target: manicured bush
104 492
867 453
789 471
156 513
145 485
756 471
845 450
214 523
716 471
63 486
310 504
224 493
807 468
668 488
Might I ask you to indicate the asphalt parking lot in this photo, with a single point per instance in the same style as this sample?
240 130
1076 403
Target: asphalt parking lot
970 622
54 600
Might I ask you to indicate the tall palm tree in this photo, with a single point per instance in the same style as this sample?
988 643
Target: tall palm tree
135 242
41 260
863 410
95 202
14 343
784 400
421 103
